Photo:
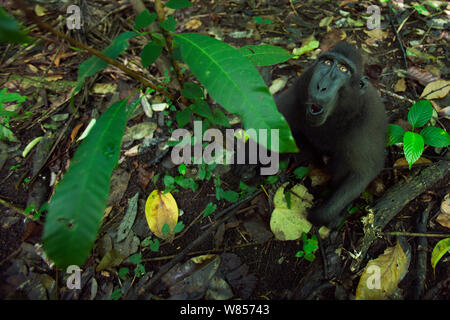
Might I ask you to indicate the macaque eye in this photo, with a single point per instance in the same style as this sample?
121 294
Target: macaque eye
343 69
327 62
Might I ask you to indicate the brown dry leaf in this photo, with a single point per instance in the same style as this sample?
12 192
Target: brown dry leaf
400 86
318 176
377 187
344 2
445 112
193 24
331 38
32 68
144 177
376 35
424 77
441 88
381 276
444 217
403 163
74 132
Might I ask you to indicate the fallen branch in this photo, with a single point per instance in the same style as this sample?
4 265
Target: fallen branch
393 201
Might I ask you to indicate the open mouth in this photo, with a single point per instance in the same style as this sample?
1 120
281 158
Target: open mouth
315 109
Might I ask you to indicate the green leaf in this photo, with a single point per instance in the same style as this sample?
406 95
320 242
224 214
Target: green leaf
310 257
169 24
420 113
265 54
10 30
301 172
413 145
12 96
182 169
261 20
139 271
186 183
210 208
123 272
183 117
271 179
179 226
421 9
219 118
178 4
192 91
202 108
435 137
154 245
165 229
441 248
94 64
150 53
76 209
287 197
7 134
168 181
116 294
230 195
394 134
235 84
144 19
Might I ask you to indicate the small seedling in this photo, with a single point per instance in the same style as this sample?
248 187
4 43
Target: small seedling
310 245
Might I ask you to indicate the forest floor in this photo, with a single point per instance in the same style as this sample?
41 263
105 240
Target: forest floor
248 262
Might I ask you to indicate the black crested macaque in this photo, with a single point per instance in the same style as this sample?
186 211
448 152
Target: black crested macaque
333 110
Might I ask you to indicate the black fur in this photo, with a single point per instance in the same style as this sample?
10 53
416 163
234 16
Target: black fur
349 126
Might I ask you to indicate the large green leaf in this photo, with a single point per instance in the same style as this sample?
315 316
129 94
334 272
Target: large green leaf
435 137
420 113
265 54
144 19
76 209
235 84
412 147
94 64
10 29
150 53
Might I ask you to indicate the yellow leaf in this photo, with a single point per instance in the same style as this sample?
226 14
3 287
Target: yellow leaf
400 86
436 89
161 209
289 223
381 276
40 10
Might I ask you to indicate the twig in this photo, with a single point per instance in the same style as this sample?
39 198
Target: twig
399 40
18 210
421 258
43 25
169 41
394 95
417 234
